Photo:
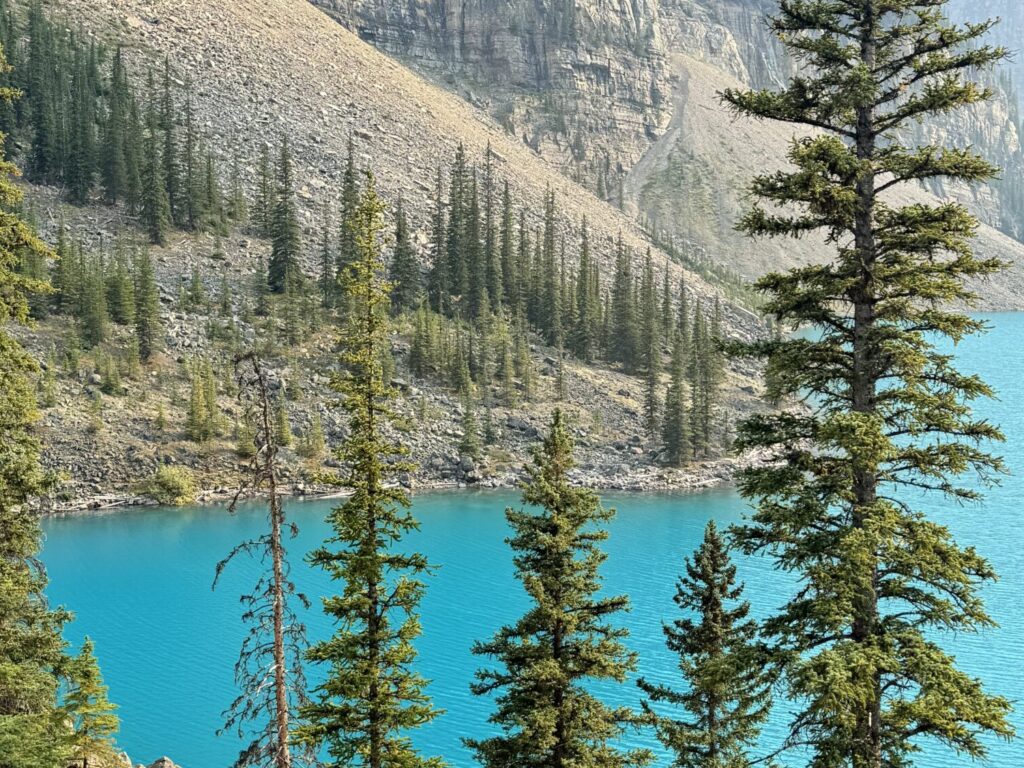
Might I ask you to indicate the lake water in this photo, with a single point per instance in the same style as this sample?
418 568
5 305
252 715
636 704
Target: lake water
139 583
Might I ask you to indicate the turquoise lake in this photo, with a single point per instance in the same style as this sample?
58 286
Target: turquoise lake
139 583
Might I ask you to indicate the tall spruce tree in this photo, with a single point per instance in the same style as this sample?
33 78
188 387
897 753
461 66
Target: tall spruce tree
147 305
674 434
405 269
727 695
861 643
156 209
371 696
547 715
284 228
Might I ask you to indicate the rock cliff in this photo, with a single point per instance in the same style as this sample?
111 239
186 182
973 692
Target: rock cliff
623 97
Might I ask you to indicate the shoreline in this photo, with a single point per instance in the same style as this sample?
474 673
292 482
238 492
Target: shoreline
116 503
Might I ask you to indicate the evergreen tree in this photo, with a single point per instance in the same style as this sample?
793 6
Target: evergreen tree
650 340
284 254
547 715
171 163
114 161
313 442
32 729
405 269
93 722
469 445
584 338
147 306
727 690
156 209
328 280
861 643
264 205
371 696
283 427
439 283
509 262
346 233
625 335
674 433
80 168
491 256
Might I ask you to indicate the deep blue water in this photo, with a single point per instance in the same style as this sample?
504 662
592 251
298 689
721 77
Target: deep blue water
139 582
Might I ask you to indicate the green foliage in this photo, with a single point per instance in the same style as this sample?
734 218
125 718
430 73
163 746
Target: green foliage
171 485
93 721
860 644
726 699
469 444
284 226
550 657
313 443
32 653
282 426
675 428
371 696
203 420
405 269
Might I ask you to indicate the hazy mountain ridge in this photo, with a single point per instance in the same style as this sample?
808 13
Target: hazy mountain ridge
684 166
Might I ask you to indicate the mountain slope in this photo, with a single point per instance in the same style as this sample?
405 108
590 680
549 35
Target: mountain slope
652 134
692 180
266 68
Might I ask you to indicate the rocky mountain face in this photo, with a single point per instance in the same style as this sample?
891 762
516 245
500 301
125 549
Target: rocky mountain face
584 83
623 97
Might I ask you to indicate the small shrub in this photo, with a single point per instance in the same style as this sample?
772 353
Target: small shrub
171 485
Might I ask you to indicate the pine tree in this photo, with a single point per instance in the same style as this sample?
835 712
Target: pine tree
32 730
405 269
171 163
491 256
509 262
283 427
92 310
584 337
650 339
156 209
328 279
371 697
455 240
726 699
861 643
349 207
546 713
284 254
80 169
147 305
113 163
264 205
93 722
313 442
625 334
439 283
469 445
674 427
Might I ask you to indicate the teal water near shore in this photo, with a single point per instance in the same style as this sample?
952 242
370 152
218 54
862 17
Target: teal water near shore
139 583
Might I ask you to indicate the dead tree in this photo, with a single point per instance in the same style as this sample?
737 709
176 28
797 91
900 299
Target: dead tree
269 671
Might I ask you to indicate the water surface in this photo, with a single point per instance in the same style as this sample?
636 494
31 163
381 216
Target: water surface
139 583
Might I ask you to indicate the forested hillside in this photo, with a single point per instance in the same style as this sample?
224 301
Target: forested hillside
182 241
